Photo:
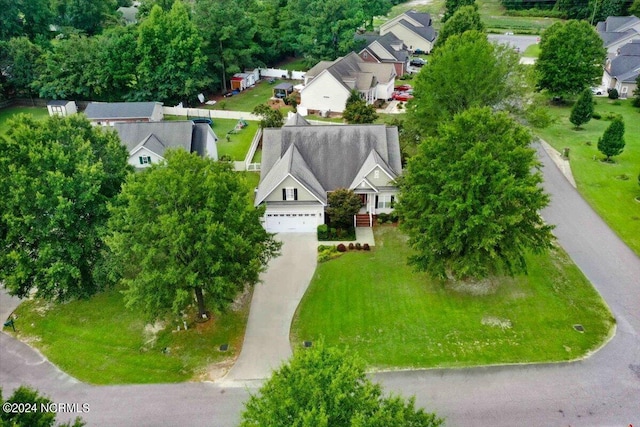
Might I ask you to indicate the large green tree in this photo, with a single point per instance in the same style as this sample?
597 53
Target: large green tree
228 29
634 9
357 111
343 205
172 66
469 200
56 178
468 71
19 64
464 19
88 16
612 141
271 117
31 410
328 387
184 228
373 8
571 58
582 110
636 93
451 6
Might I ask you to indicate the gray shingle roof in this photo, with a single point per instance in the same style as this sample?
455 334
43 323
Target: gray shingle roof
57 102
625 66
297 120
326 157
353 72
157 136
617 23
120 110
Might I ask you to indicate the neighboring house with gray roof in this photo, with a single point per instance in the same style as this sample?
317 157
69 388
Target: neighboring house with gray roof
387 49
413 28
147 142
329 83
621 72
302 163
108 113
616 31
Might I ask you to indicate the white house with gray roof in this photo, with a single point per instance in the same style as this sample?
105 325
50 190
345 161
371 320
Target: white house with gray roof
616 31
328 84
302 163
108 113
621 72
147 142
413 28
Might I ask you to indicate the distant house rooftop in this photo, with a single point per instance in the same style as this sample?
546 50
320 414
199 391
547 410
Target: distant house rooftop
124 111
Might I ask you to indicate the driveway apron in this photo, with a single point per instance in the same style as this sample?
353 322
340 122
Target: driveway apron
266 342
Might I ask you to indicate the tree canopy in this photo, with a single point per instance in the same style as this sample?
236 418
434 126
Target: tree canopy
270 117
343 205
328 387
56 177
468 71
466 18
452 6
571 58
35 416
357 111
184 227
612 141
469 200
582 109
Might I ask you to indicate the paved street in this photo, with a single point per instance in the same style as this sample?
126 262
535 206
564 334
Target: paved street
603 390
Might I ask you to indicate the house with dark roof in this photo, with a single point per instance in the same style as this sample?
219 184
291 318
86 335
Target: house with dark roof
413 28
148 141
387 49
108 113
616 31
621 71
329 83
302 163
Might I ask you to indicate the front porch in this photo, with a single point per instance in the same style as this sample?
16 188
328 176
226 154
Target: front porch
372 205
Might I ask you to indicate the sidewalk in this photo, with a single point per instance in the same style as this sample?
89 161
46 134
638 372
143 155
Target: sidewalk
562 163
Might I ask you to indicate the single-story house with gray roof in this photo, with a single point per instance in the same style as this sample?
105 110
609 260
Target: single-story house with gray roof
302 163
108 113
621 72
147 142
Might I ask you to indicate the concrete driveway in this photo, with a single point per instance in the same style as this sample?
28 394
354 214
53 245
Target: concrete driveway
266 341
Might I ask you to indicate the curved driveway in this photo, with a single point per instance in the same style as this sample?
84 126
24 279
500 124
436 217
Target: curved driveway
600 391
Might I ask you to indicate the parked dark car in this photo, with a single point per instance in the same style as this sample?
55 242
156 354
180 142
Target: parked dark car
417 62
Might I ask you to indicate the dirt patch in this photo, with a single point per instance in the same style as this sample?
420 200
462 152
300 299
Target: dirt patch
496 322
216 371
474 287
151 332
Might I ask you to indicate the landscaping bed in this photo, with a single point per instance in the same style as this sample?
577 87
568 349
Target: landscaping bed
393 317
610 188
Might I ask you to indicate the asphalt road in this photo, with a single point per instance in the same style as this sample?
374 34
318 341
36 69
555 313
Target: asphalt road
520 42
603 390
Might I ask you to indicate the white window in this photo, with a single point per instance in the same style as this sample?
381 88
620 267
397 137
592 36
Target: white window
376 174
624 89
144 160
384 201
289 193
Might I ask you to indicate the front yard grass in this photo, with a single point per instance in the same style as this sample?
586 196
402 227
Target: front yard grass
39 113
610 188
393 317
100 342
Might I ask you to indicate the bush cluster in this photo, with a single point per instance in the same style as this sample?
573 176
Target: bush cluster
613 93
326 233
327 252
387 218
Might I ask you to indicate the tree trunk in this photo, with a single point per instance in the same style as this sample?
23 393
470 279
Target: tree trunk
202 313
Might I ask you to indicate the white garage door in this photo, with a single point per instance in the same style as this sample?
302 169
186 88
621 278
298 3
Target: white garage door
292 222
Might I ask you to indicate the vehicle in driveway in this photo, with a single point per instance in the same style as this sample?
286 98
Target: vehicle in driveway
597 91
402 96
417 62
402 88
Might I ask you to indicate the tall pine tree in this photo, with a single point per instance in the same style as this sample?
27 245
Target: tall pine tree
582 110
612 141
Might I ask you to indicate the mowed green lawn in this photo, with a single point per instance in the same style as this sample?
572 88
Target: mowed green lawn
610 188
393 317
100 342
7 113
248 99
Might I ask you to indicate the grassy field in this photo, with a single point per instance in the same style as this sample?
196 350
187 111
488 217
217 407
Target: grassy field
100 342
610 188
533 51
393 317
6 113
492 13
248 99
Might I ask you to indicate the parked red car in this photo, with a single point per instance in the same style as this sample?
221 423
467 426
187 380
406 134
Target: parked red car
402 96
402 88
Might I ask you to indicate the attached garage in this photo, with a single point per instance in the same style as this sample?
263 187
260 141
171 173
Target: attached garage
292 222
